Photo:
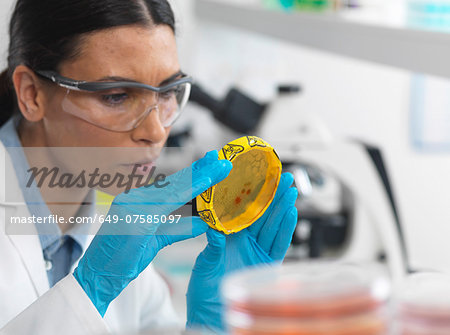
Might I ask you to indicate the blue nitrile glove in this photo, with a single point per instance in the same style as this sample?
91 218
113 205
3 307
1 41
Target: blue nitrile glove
120 251
264 242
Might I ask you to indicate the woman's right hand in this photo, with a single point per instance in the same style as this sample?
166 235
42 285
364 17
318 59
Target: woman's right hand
120 251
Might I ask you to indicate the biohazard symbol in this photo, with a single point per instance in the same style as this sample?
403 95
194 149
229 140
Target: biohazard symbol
231 150
254 141
207 216
206 196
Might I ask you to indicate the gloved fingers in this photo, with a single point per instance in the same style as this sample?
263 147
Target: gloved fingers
209 157
211 259
177 189
286 181
185 228
215 238
190 183
284 237
201 169
216 244
271 227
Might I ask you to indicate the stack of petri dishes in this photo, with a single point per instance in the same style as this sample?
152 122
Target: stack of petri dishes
308 299
423 305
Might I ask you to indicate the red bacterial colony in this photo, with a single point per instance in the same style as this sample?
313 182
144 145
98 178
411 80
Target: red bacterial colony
238 199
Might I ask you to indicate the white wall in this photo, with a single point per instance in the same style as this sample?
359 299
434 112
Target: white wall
6 7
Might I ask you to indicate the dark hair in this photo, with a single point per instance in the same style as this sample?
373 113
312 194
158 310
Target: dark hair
46 32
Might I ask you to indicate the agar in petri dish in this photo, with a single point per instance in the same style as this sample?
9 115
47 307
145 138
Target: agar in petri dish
242 198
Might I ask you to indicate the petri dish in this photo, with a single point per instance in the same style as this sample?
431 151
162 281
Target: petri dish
242 198
308 299
423 305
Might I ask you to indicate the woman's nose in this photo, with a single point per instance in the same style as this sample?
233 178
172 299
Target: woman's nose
150 129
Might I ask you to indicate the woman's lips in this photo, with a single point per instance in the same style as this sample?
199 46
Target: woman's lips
143 168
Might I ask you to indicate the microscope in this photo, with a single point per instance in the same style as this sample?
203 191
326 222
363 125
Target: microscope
346 204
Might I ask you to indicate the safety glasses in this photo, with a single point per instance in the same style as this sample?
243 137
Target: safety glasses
121 105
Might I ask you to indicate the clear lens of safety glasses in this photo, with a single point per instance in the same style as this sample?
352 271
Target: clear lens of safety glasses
124 108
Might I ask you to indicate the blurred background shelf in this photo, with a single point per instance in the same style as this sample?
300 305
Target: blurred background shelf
415 50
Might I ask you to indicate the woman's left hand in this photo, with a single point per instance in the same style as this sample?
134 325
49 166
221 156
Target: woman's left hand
264 242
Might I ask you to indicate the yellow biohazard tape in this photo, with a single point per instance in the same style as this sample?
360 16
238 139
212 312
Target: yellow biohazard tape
242 198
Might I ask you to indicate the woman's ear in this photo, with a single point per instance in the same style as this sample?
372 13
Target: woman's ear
30 95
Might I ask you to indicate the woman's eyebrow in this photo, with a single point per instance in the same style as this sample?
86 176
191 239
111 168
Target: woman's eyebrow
116 78
172 78
164 82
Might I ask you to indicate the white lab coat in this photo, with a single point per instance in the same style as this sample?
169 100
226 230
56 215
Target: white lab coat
28 306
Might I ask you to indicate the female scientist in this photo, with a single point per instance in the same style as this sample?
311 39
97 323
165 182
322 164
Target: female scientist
105 73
